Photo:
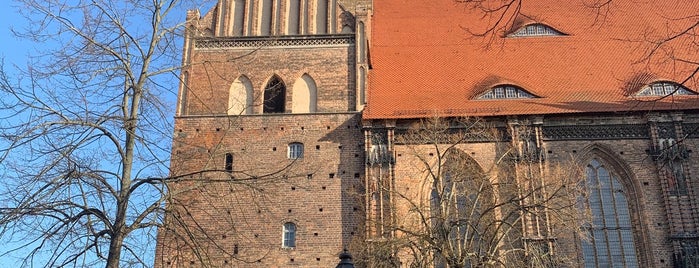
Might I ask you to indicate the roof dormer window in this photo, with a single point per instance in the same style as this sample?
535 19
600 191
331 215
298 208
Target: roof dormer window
535 29
664 88
505 92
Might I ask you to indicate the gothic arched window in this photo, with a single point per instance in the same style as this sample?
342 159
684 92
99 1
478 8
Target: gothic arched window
275 96
611 241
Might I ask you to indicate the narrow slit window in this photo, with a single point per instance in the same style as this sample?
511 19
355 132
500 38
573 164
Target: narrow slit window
229 162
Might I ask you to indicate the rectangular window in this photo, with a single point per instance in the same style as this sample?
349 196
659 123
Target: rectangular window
295 150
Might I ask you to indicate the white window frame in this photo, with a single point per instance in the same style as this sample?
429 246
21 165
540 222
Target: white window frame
295 150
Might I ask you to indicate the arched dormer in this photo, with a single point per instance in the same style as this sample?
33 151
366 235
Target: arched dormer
505 92
274 100
535 29
240 97
305 94
663 88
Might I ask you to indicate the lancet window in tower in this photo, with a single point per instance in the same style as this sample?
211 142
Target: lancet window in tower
611 241
321 16
293 15
238 17
275 96
266 17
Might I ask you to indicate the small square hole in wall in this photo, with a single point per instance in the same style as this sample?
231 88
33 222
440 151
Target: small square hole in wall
196 129
431 154
575 151
309 176
645 183
473 153
356 155
399 155
259 211
354 209
191 262
302 128
339 147
226 261
351 233
317 147
218 129
241 129
293 188
317 259
290 211
274 149
323 187
315 234
281 128
320 209
292 260
264 128
356 175
331 175
328 127
550 151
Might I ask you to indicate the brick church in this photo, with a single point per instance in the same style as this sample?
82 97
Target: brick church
308 127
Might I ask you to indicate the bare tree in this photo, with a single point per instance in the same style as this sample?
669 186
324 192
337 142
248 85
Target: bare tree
450 211
85 132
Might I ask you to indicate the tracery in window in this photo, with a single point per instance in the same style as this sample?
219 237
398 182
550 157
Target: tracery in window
664 89
289 235
506 92
295 150
275 96
611 241
535 29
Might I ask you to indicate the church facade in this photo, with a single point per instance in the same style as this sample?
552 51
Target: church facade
295 134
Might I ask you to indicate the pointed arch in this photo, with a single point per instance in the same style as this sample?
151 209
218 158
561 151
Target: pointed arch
240 96
611 198
274 96
305 93
461 202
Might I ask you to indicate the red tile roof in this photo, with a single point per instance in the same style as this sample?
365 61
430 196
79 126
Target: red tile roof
425 62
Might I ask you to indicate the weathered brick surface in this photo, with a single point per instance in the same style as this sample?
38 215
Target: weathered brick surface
628 158
247 208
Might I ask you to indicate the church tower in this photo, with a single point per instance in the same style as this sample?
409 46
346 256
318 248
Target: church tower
268 154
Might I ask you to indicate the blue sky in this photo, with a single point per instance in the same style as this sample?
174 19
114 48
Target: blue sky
13 50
